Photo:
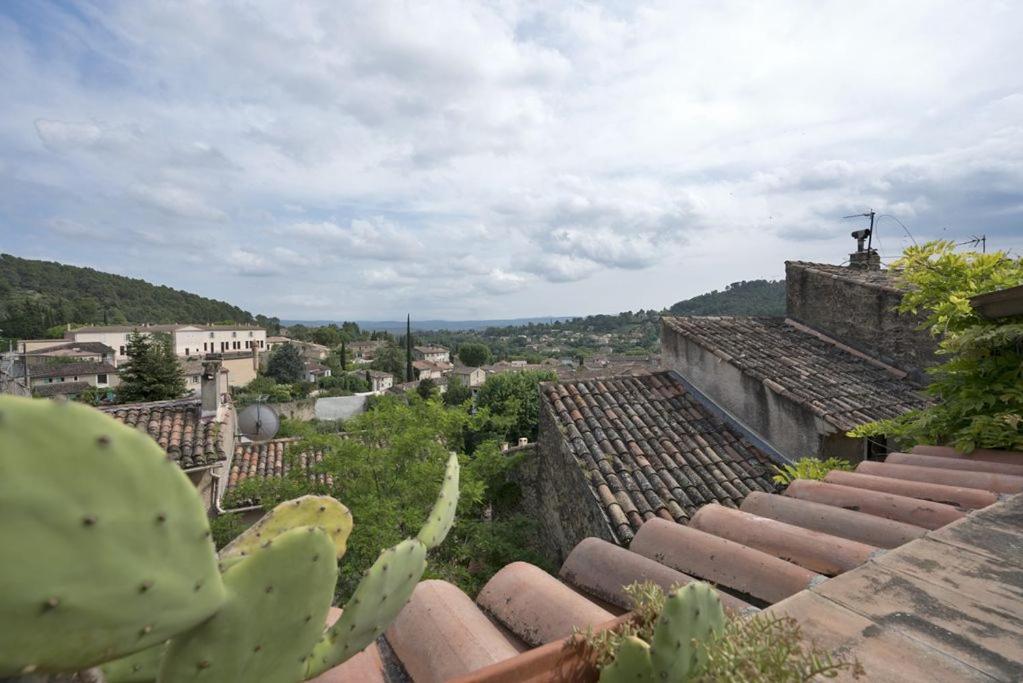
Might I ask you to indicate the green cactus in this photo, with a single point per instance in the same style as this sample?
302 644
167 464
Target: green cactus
442 516
381 594
631 664
139 667
276 607
691 616
109 545
320 511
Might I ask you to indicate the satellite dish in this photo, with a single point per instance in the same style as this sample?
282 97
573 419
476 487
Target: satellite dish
258 422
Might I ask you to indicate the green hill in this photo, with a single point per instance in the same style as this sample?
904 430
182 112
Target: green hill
752 297
38 295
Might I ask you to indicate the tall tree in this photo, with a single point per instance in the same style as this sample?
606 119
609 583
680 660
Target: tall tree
474 354
152 372
286 364
409 376
344 356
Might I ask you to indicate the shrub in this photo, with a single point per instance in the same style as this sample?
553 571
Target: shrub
809 468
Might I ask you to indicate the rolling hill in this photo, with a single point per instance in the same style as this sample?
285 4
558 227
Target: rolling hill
749 297
38 295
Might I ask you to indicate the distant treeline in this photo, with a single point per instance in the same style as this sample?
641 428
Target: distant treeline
36 297
749 297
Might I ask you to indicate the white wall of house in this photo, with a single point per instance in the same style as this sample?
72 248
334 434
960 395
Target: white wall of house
189 340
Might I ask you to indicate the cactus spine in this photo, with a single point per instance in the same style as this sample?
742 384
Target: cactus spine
691 617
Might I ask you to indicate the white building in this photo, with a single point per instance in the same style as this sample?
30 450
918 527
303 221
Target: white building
188 340
469 377
379 381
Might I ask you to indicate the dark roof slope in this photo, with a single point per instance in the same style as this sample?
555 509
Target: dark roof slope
44 369
649 449
178 426
841 388
267 459
84 347
59 389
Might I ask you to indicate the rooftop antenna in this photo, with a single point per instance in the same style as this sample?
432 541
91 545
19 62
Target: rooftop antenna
864 258
974 241
867 234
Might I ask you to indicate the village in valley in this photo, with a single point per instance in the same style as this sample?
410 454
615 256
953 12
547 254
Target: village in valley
501 342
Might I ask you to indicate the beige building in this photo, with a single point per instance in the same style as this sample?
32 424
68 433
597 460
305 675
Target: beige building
469 377
433 354
49 378
188 340
379 381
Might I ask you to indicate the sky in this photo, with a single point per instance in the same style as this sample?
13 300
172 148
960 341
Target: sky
361 160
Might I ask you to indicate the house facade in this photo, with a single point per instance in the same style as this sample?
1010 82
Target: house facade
379 381
432 354
188 340
469 377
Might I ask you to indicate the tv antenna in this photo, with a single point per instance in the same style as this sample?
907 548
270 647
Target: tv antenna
867 234
974 241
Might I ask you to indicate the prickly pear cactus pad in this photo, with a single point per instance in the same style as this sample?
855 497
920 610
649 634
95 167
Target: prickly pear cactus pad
276 607
138 667
106 544
443 513
631 664
378 598
691 616
320 511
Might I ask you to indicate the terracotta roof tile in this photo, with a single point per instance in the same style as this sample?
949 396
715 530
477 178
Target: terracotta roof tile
836 385
178 426
270 459
650 450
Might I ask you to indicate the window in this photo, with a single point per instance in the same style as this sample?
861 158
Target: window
76 378
234 334
211 335
186 350
260 343
122 351
250 333
247 344
101 379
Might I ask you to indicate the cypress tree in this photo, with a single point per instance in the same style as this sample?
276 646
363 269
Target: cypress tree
409 376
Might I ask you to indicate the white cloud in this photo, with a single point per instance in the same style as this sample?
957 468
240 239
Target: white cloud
501 159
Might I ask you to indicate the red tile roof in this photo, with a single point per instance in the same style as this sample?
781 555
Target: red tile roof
178 426
843 389
266 460
649 449
943 605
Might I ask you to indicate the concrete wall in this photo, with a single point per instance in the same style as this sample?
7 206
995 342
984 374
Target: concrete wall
302 409
340 407
241 371
789 427
859 314
555 492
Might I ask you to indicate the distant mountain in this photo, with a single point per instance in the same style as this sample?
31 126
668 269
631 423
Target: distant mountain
431 325
38 295
752 297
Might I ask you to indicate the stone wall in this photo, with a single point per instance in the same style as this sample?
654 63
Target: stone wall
555 493
789 427
859 313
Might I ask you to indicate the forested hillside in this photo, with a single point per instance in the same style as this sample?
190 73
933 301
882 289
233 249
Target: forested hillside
752 297
36 296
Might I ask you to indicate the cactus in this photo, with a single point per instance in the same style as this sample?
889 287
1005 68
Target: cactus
632 663
381 594
139 667
108 543
442 516
691 616
276 606
320 511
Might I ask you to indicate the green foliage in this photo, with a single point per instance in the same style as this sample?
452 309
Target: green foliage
225 528
809 468
346 383
425 388
152 372
474 354
763 647
37 296
390 359
111 540
978 390
515 398
749 297
285 365
457 393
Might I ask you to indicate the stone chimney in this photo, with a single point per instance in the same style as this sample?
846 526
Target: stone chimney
210 388
865 260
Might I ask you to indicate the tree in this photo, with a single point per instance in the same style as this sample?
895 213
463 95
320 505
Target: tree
474 354
515 396
426 388
343 356
978 391
152 372
390 359
285 365
409 375
457 393
328 335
